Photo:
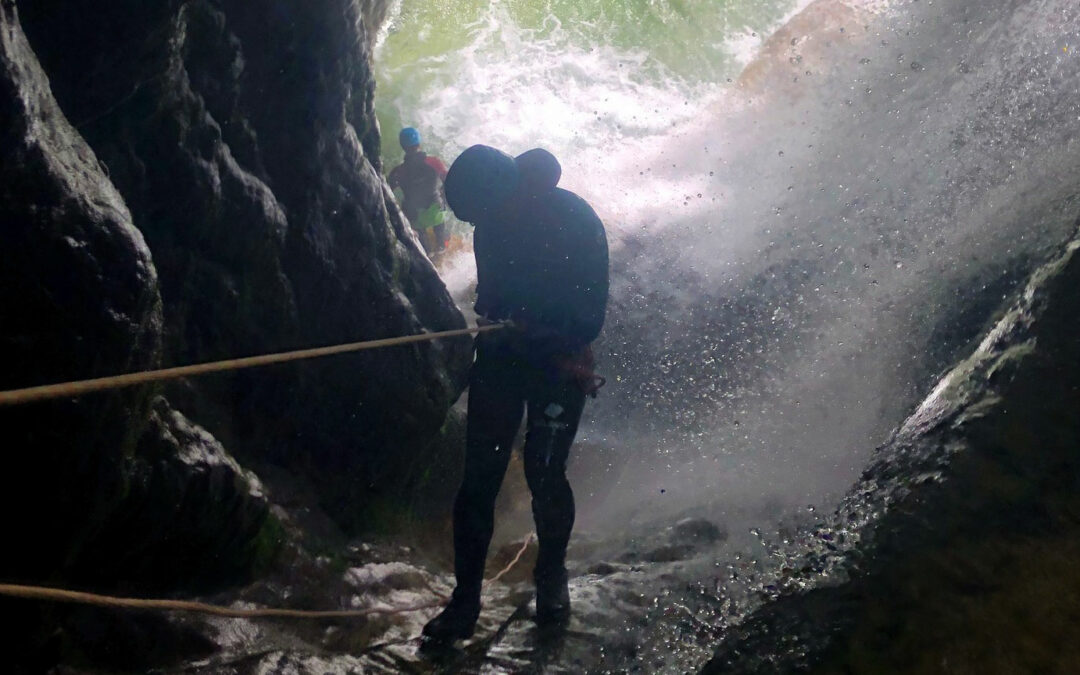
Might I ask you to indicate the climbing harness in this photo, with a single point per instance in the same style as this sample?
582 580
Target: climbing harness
580 368
77 388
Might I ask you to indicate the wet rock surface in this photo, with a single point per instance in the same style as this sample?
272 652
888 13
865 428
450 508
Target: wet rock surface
956 537
96 311
114 490
613 604
215 194
242 138
192 517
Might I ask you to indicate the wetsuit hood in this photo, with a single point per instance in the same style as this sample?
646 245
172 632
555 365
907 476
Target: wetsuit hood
480 180
540 171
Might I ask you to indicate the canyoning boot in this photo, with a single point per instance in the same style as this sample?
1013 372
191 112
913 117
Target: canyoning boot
457 621
552 599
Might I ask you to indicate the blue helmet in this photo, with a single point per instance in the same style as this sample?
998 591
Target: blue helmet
479 181
409 137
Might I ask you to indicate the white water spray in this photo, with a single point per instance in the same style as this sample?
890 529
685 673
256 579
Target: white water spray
795 254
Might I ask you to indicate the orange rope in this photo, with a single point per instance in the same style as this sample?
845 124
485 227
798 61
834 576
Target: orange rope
79 597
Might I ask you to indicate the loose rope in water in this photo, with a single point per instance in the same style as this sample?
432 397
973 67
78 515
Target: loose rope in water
80 387
114 602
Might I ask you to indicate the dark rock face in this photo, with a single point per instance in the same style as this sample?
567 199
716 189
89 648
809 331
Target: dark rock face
957 548
217 194
688 537
78 298
191 513
699 530
243 139
105 488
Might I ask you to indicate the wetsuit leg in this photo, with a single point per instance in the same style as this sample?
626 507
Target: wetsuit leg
496 405
554 413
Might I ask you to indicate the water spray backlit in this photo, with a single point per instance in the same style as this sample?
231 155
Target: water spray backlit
796 251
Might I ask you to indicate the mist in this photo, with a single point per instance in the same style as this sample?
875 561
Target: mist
800 244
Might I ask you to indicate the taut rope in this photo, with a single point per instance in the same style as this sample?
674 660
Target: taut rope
80 387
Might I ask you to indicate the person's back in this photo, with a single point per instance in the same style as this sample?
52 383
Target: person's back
545 264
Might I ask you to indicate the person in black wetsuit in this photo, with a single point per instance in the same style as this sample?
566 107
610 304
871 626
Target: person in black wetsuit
542 263
418 178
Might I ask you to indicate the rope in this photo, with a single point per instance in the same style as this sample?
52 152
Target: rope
77 388
515 561
114 602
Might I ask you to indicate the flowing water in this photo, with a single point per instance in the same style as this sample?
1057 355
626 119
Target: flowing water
806 225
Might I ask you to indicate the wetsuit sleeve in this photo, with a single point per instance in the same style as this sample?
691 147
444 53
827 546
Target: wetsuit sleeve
437 164
394 179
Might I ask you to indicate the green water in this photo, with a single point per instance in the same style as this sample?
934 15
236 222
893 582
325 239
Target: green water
432 47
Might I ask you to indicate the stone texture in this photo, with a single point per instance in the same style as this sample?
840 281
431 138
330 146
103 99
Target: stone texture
957 548
217 195
192 518
110 489
78 298
243 138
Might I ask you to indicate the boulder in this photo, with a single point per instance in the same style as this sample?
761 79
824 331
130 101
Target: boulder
698 530
192 517
108 491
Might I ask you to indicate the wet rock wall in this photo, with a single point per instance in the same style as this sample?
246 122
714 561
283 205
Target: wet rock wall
954 553
188 181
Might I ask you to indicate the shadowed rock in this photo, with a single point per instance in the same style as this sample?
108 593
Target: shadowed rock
78 299
243 138
109 489
698 530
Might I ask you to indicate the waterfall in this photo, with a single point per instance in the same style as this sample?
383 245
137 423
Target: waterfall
813 209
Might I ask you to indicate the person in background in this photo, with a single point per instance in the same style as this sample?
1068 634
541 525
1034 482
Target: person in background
419 178
542 264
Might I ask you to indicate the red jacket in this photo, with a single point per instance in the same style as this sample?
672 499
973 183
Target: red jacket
418 177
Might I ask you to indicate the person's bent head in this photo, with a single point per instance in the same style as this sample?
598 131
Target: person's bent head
479 182
482 180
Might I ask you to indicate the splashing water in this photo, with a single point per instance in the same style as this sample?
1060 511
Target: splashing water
806 225
599 83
